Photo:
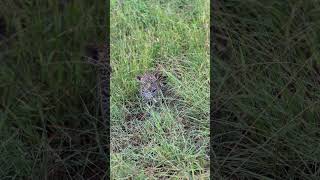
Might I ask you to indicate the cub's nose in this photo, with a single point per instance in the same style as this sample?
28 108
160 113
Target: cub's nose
154 90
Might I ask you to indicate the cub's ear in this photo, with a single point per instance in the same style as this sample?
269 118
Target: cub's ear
158 74
138 78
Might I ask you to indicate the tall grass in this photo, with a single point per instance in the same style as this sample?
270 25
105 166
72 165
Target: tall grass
47 98
173 141
266 90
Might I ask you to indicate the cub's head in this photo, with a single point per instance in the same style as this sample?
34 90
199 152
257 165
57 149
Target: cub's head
149 85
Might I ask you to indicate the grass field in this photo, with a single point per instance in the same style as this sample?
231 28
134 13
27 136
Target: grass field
266 93
266 97
48 118
173 142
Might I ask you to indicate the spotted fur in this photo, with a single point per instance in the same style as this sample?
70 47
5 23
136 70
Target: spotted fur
150 86
100 60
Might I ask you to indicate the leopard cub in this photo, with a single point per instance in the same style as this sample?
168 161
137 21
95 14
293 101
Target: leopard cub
150 86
